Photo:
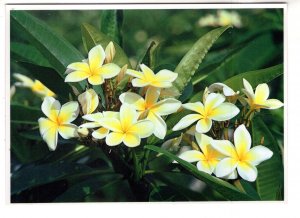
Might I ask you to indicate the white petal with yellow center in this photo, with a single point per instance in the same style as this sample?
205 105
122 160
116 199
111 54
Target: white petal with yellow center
133 99
148 73
247 172
68 131
197 107
166 75
114 138
166 107
50 137
248 87
50 108
77 76
223 112
68 112
204 166
143 128
242 140
128 116
160 127
273 104
186 121
203 125
25 81
203 141
100 133
139 83
93 117
213 100
45 124
112 124
131 140
89 101
261 93
135 73
192 156
79 66
258 154
110 70
225 147
225 167
152 95
96 57
96 79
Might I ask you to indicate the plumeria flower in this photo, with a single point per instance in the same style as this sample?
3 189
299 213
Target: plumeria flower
151 108
208 159
93 69
127 128
214 108
239 156
89 101
95 118
58 120
163 79
36 86
259 99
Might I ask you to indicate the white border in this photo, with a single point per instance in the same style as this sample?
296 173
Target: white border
202 209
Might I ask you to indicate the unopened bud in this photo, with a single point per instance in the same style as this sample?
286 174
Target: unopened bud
110 52
121 74
83 132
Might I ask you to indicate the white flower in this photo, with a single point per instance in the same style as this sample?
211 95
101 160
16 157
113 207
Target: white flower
259 99
214 108
89 101
207 159
239 156
58 120
151 108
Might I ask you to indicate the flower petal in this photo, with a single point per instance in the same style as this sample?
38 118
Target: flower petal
128 116
25 81
247 172
114 138
166 75
159 84
160 127
68 112
76 76
89 101
213 100
93 117
166 107
273 104
197 107
90 125
152 95
224 147
139 83
131 140
110 70
258 154
192 156
96 57
135 73
143 128
45 124
133 99
205 167
50 137
248 87
148 73
96 79
186 121
112 124
203 125
68 131
203 141
261 93
233 175
111 114
242 140
100 133
223 112
50 108
225 167
79 66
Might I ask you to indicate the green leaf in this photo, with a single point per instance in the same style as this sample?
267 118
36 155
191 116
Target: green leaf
226 189
59 52
192 59
91 37
35 175
149 57
27 53
255 77
270 173
25 114
111 23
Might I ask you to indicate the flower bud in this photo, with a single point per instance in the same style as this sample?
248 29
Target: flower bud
89 101
83 132
110 52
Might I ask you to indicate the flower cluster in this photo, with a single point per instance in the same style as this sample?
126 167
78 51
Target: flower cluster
141 112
